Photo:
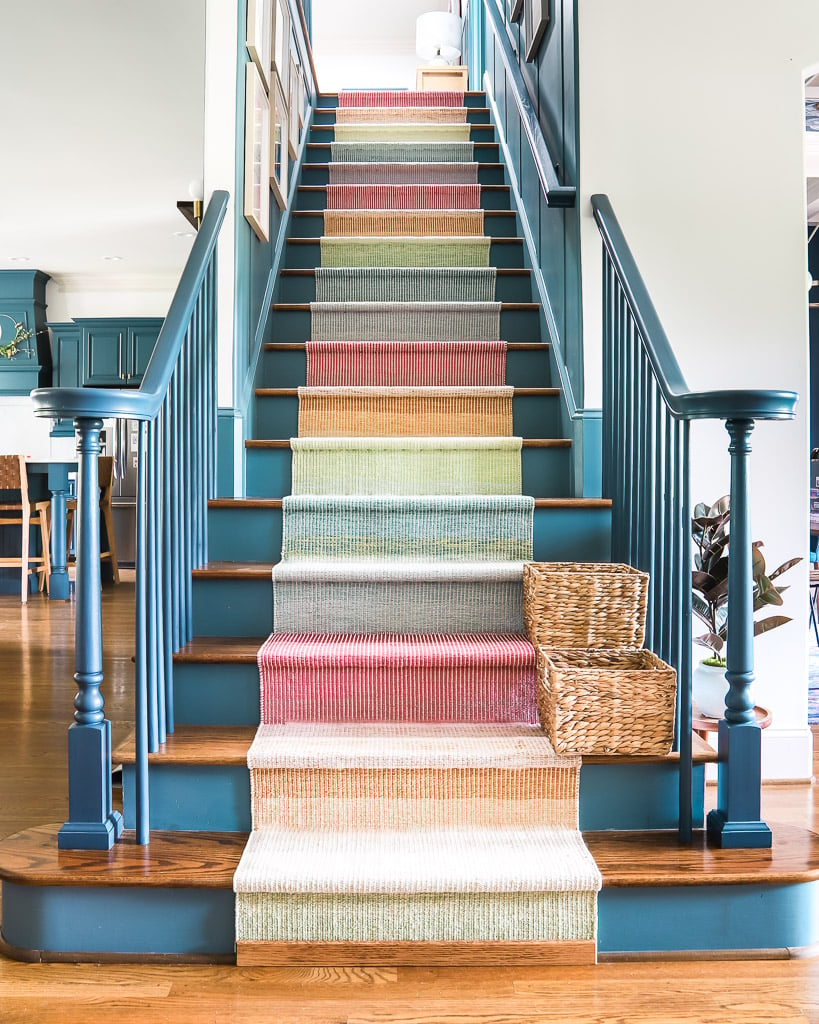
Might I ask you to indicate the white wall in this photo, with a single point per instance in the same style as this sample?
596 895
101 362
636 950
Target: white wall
691 120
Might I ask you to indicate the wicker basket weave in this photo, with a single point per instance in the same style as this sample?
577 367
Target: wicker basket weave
584 604
606 701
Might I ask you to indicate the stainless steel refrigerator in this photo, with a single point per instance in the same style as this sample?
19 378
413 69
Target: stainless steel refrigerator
120 439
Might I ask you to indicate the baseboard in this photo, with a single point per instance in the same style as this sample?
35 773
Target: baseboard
787 754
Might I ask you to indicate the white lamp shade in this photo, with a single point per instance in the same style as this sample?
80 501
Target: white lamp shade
438 37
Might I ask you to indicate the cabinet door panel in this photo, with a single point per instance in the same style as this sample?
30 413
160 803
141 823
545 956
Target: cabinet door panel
141 343
104 355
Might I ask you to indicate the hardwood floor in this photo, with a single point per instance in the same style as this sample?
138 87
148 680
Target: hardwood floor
36 665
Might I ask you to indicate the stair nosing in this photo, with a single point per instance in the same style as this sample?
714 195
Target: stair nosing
517 392
512 346
495 239
528 442
305 307
276 503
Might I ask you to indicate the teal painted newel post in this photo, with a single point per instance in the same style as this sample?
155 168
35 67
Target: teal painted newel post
736 821
92 823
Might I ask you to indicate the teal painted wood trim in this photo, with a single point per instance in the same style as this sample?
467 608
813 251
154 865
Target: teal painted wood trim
589 447
556 194
230 463
193 922
188 798
23 300
708 917
244 397
144 403
635 797
214 694
763 404
232 607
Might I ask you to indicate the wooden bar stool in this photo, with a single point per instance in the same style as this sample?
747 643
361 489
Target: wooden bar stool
105 469
25 514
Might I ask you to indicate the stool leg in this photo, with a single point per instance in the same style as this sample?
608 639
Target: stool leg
45 536
25 516
108 519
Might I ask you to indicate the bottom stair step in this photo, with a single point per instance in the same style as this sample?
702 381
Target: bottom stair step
507 884
174 897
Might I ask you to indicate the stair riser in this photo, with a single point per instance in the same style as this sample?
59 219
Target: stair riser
508 288
496 225
490 200
546 472
306 256
479 132
288 369
200 922
473 116
216 694
532 416
320 153
216 798
249 534
232 607
487 175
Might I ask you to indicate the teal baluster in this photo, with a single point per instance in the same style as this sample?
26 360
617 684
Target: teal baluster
736 821
92 823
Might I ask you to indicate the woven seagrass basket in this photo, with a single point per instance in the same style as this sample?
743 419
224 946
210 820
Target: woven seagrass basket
584 604
606 701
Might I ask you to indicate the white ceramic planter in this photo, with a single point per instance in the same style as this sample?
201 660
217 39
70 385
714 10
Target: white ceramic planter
709 687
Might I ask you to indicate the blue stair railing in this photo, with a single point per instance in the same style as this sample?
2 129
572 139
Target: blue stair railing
647 411
176 409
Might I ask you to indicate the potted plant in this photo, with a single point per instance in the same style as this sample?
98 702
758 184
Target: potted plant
22 336
709 580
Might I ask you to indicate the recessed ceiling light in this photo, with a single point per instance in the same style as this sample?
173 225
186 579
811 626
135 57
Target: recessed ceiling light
113 259
185 234
19 259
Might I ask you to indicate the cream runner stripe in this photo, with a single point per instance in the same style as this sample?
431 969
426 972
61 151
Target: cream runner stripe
413 115
405 321
402 132
404 222
405 412
391 173
502 860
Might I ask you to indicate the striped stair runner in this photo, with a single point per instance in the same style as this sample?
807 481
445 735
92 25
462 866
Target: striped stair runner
406 465
405 284
385 677
405 321
403 197
391 173
403 222
406 363
462 528
402 791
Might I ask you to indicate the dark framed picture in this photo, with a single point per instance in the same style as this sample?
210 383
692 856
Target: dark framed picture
515 9
535 21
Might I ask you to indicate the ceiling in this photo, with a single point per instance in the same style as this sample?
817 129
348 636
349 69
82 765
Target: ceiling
102 131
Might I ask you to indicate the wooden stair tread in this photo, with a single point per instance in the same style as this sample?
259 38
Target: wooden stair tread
197 860
334 95
233 570
320 213
208 860
275 503
488 188
332 110
215 744
196 744
293 392
310 272
528 442
496 239
512 346
323 145
323 165
220 649
244 503
304 307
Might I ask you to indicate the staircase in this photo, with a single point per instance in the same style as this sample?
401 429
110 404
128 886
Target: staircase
380 746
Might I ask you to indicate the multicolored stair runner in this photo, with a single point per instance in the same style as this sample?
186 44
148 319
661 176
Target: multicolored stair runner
402 790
